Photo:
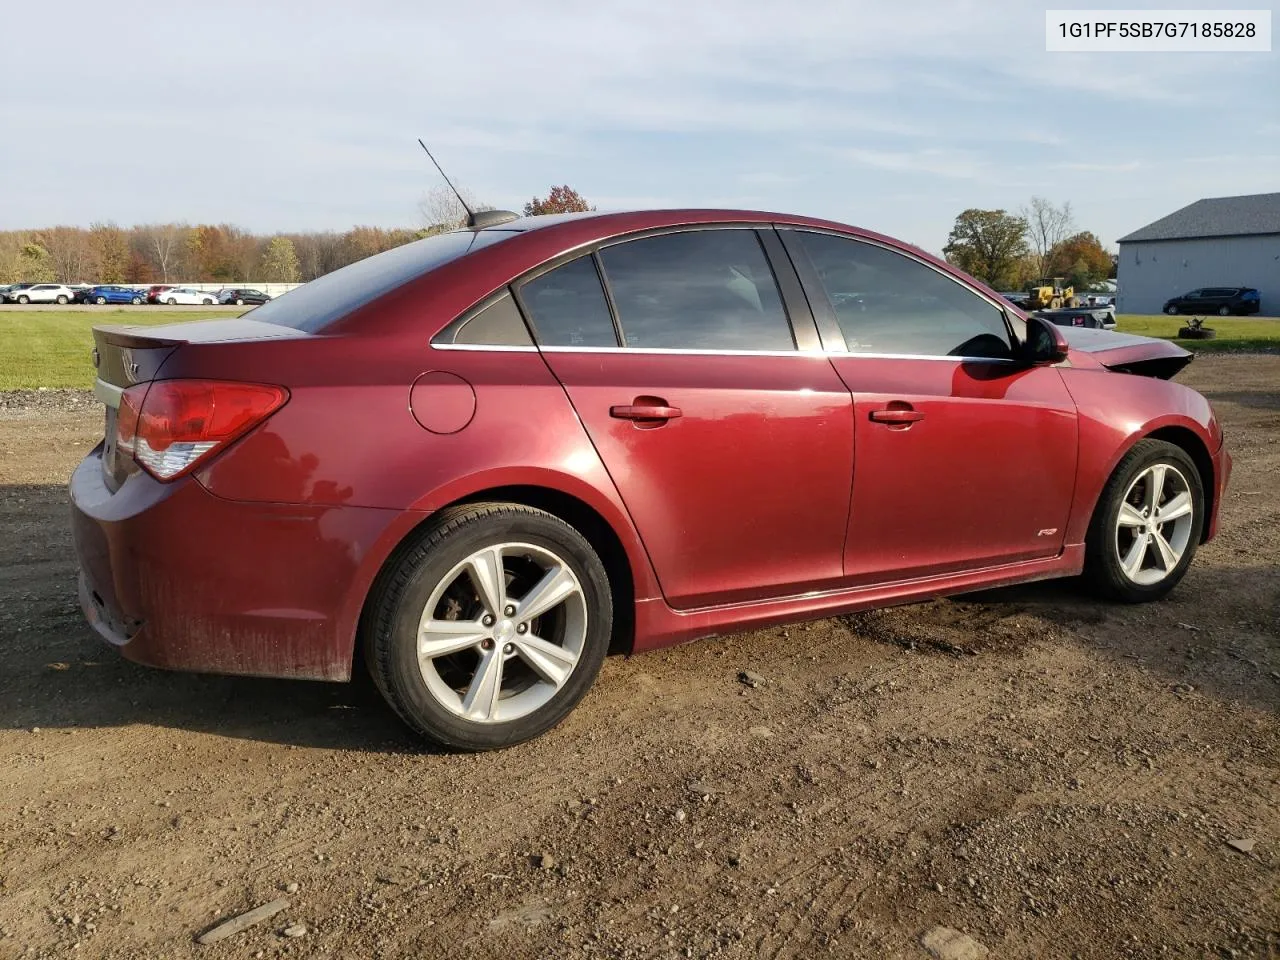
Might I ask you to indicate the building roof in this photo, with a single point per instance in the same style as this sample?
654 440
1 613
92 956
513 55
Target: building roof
1216 217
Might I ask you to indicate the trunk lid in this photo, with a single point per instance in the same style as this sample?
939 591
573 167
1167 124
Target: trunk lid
1129 353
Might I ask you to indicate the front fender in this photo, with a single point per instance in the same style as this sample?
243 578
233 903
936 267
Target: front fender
1116 411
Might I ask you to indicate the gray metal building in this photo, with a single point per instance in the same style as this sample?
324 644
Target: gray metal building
1222 242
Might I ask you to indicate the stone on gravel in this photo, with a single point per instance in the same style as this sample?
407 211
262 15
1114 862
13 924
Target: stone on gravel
544 860
1244 846
947 944
243 921
752 680
760 733
291 888
296 930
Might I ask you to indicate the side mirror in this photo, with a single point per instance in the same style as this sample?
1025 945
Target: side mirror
1045 343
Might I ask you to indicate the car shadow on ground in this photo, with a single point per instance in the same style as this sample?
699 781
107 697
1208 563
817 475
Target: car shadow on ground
59 674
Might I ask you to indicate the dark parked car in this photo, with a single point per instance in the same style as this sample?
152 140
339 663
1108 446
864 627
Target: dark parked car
491 455
1095 318
110 293
1224 301
240 296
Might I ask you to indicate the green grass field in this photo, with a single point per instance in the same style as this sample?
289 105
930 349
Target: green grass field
1240 334
51 348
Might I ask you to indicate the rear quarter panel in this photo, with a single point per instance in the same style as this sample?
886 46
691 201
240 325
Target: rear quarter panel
347 435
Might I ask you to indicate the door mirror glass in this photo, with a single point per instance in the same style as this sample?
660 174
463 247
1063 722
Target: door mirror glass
1045 343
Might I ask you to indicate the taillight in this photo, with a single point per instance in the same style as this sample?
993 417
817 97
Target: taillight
169 426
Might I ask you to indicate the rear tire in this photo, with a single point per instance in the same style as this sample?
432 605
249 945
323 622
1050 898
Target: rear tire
207 302
1124 556
544 657
239 303
62 301
171 302
136 301
1224 311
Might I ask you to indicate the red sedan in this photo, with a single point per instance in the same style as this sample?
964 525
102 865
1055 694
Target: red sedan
490 455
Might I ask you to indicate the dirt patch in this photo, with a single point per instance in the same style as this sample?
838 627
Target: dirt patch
1048 775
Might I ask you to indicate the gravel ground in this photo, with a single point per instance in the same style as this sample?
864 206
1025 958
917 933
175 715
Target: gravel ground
1024 771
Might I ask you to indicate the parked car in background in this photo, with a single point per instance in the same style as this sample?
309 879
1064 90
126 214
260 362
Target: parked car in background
637 429
1093 318
39 293
242 295
185 295
153 293
1224 301
111 293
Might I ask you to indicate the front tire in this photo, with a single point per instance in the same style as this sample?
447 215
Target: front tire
24 299
99 300
1171 311
62 301
171 301
239 303
1147 524
490 626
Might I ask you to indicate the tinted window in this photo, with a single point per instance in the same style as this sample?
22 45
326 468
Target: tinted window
700 290
315 305
886 302
497 325
1220 292
567 307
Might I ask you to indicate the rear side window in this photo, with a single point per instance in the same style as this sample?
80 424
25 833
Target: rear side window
697 290
496 324
567 306
315 305
888 303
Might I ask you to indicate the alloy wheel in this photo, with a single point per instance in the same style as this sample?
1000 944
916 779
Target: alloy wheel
1153 526
502 632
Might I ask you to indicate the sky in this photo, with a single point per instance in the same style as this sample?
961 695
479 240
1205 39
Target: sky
289 116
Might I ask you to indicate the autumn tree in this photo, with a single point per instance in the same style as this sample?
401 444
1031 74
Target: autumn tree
1082 259
1047 227
70 252
562 199
988 245
110 252
162 244
280 262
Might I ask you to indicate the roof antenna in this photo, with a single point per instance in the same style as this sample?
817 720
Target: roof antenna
475 220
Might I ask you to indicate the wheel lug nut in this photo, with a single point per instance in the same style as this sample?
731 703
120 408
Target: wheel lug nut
510 611
488 620
522 628
509 649
486 644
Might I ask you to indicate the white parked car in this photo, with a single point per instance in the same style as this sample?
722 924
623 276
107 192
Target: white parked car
42 293
186 295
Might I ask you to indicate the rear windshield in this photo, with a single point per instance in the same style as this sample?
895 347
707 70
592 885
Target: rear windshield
315 305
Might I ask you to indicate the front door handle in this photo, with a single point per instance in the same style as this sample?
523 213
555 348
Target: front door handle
902 416
646 408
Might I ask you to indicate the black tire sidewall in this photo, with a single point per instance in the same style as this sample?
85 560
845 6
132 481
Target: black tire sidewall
1102 565
395 641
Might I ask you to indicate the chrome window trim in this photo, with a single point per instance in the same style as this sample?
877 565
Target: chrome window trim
495 348
829 354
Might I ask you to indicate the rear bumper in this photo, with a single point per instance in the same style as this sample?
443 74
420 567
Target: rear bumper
175 577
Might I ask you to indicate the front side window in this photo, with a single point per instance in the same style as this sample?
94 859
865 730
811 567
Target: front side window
567 306
888 303
697 290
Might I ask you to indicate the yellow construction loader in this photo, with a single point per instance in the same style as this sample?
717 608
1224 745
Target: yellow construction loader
1048 293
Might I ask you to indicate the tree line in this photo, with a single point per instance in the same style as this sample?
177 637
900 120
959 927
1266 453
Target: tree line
1011 251
212 253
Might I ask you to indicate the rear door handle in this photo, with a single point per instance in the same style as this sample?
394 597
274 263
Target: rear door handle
645 411
897 416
